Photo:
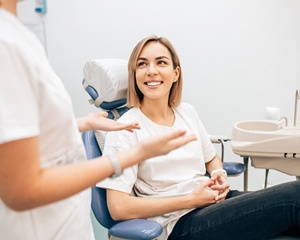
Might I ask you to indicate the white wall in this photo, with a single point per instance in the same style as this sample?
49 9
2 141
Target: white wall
238 56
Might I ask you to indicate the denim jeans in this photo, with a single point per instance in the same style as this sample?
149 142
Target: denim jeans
254 215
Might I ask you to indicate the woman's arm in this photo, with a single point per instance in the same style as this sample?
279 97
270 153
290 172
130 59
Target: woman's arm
122 206
213 164
24 185
99 121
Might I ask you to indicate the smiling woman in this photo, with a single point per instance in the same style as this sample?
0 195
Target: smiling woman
174 189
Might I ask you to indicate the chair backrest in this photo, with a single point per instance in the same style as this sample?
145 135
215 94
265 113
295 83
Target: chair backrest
99 205
105 80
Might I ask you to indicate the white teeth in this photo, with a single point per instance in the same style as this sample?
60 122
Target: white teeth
153 83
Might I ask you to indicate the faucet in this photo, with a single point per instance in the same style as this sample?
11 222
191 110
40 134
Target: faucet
297 97
285 120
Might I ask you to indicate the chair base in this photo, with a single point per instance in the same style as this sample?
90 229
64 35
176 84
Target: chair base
115 238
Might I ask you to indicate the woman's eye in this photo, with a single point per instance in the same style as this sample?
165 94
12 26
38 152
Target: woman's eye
140 64
161 63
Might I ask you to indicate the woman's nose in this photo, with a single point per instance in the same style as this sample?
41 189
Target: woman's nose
152 70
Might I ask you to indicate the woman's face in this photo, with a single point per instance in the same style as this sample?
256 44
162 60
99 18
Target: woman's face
154 72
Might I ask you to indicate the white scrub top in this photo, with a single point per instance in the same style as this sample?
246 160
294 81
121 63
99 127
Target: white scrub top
34 102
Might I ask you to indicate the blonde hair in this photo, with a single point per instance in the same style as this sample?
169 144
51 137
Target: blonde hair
134 95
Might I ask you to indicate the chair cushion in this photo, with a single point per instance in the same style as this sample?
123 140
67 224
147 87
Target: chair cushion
140 229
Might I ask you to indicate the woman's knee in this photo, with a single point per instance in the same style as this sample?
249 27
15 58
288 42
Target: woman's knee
292 189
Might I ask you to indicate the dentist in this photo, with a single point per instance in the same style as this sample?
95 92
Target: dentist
44 175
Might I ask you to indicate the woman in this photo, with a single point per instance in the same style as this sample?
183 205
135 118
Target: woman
173 189
44 175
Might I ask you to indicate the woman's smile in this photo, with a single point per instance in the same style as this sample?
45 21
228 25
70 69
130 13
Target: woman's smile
153 84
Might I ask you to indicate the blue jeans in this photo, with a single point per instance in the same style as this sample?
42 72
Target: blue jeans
254 215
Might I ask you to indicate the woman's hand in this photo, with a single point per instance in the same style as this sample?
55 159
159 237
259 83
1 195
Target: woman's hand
99 121
220 184
203 195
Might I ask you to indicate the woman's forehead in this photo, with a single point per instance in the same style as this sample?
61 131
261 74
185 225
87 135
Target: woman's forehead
154 49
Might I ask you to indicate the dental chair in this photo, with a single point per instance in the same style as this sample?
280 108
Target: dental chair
109 77
105 80
135 229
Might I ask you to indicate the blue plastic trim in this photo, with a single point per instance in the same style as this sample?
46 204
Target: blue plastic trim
114 104
104 105
234 168
92 92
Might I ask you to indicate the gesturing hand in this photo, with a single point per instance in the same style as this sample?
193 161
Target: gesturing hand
163 144
99 121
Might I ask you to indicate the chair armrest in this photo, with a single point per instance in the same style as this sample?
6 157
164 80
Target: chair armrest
136 229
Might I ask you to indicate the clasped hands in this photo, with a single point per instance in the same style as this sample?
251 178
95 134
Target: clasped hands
212 191
219 183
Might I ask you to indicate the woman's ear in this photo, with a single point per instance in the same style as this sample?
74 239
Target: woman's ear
176 74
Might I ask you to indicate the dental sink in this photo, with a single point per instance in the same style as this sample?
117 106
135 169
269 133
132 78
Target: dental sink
269 144
258 126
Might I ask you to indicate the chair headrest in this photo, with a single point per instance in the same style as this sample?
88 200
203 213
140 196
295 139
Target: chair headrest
106 80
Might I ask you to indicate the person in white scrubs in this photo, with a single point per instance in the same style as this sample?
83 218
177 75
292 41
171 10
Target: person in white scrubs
45 179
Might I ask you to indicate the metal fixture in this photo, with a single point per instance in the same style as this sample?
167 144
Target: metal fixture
297 97
285 120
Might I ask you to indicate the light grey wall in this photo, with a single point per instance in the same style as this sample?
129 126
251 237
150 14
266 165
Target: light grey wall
238 56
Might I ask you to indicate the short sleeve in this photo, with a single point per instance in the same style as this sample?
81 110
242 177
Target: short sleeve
208 149
18 102
115 142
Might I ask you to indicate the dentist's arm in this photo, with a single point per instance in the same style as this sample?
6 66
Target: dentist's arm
25 185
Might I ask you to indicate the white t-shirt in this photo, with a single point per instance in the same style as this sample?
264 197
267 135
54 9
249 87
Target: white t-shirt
34 102
177 173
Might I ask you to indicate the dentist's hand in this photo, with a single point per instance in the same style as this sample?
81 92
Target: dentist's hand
99 121
165 143
154 146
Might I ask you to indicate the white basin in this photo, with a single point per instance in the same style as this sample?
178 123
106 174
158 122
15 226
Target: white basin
269 144
258 126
